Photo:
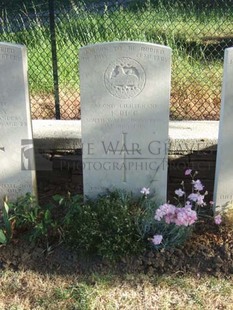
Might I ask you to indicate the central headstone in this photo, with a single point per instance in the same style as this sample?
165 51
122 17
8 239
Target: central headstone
125 92
17 172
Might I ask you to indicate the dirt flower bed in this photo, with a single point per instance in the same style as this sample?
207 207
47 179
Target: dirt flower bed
116 231
209 251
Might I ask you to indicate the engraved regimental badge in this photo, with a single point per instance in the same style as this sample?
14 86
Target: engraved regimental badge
125 78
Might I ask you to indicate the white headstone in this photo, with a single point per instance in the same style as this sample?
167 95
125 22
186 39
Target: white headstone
17 172
223 188
125 93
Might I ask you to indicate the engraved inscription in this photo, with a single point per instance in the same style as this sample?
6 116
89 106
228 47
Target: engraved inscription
8 53
100 56
15 188
125 78
3 99
9 57
12 121
155 58
116 122
154 54
226 197
8 50
152 50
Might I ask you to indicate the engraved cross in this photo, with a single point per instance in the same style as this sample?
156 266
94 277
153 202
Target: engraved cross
124 150
121 148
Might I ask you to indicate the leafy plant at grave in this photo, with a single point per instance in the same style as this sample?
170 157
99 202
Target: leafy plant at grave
26 218
5 224
37 222
117 224
80 226
107 226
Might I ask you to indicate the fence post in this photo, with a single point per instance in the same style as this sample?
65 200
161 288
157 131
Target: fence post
54 58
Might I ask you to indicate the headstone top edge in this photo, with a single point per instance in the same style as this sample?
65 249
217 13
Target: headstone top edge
14 45
228 53
229 49
125 43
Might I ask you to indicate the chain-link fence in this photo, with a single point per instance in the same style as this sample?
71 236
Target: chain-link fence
54 30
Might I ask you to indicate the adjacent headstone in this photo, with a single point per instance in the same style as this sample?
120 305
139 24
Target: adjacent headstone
125 92
17 173
223 189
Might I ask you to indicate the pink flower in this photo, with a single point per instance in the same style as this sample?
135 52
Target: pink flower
179 192
169 218
188 171
199 199
193 197
198 185
159 214
166 210
157 239
180 216
218 219
145 191
185 216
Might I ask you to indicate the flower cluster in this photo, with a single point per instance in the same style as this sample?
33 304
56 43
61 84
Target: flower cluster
180 216
196 196
185 213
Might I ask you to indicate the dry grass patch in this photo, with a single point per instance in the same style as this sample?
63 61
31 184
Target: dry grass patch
43 106
194 102
166 292
30 290
190 102
26 290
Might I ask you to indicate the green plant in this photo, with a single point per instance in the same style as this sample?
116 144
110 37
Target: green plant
117 225
76 213
26 218
107 226
38 222
5 226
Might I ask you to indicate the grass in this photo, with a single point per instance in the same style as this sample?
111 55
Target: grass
197 37
31 290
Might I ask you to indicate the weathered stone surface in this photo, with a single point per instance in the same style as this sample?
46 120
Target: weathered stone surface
223 190
125 90
17 171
